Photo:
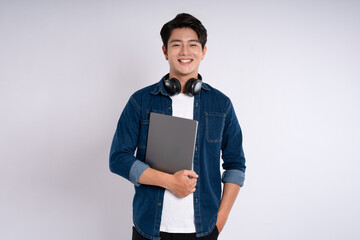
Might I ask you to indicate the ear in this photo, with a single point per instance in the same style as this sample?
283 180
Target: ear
165 52
203 52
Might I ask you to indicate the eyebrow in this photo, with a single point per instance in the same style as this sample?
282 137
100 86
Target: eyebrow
192 40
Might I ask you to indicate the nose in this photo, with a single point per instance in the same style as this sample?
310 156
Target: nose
183 50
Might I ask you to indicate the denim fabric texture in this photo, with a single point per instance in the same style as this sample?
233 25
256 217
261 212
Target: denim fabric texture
218 133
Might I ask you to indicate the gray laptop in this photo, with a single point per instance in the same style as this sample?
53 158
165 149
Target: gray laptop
171 143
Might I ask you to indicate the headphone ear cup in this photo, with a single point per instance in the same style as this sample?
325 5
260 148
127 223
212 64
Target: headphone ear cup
193 86
172 86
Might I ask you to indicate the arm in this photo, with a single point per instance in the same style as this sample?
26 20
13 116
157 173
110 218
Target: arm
230 193
124 163
234 165
122 160
181 183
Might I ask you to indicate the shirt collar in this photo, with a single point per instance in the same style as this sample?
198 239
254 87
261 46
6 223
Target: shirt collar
159 87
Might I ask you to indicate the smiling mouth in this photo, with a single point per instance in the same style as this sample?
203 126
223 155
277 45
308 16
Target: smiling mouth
185 60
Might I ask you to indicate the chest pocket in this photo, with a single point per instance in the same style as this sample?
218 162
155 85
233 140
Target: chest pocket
144 128
215 123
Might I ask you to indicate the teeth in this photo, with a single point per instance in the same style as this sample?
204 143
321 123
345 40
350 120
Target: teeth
185 61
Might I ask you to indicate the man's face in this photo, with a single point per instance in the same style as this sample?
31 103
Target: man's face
184 53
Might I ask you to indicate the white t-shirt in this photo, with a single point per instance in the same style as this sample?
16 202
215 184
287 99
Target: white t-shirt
178 213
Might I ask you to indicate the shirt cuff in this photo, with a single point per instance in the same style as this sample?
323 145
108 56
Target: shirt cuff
136 170
234 176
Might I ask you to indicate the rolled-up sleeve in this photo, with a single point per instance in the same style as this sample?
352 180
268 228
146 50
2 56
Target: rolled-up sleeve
233 176
122 160
232 150
136 170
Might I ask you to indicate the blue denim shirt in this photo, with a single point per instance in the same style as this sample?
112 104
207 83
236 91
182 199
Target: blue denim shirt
218 132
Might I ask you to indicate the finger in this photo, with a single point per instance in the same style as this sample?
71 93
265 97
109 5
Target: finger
191 173
194 182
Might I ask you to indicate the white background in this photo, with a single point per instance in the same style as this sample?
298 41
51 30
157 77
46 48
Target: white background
291 68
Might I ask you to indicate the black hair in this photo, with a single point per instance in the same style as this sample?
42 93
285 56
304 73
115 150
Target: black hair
184 20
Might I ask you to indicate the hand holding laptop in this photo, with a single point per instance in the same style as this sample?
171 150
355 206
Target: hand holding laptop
184 183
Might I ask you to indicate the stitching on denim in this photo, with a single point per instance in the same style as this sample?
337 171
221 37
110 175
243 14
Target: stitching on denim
227 111
207 126
143 122
157 207
200 206
198 146
198 186
138 229
154 111
216 114
134 101
211 229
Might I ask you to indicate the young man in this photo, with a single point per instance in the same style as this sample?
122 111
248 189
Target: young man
187 204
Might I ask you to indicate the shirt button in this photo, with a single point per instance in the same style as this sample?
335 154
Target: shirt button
159 203
169 108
